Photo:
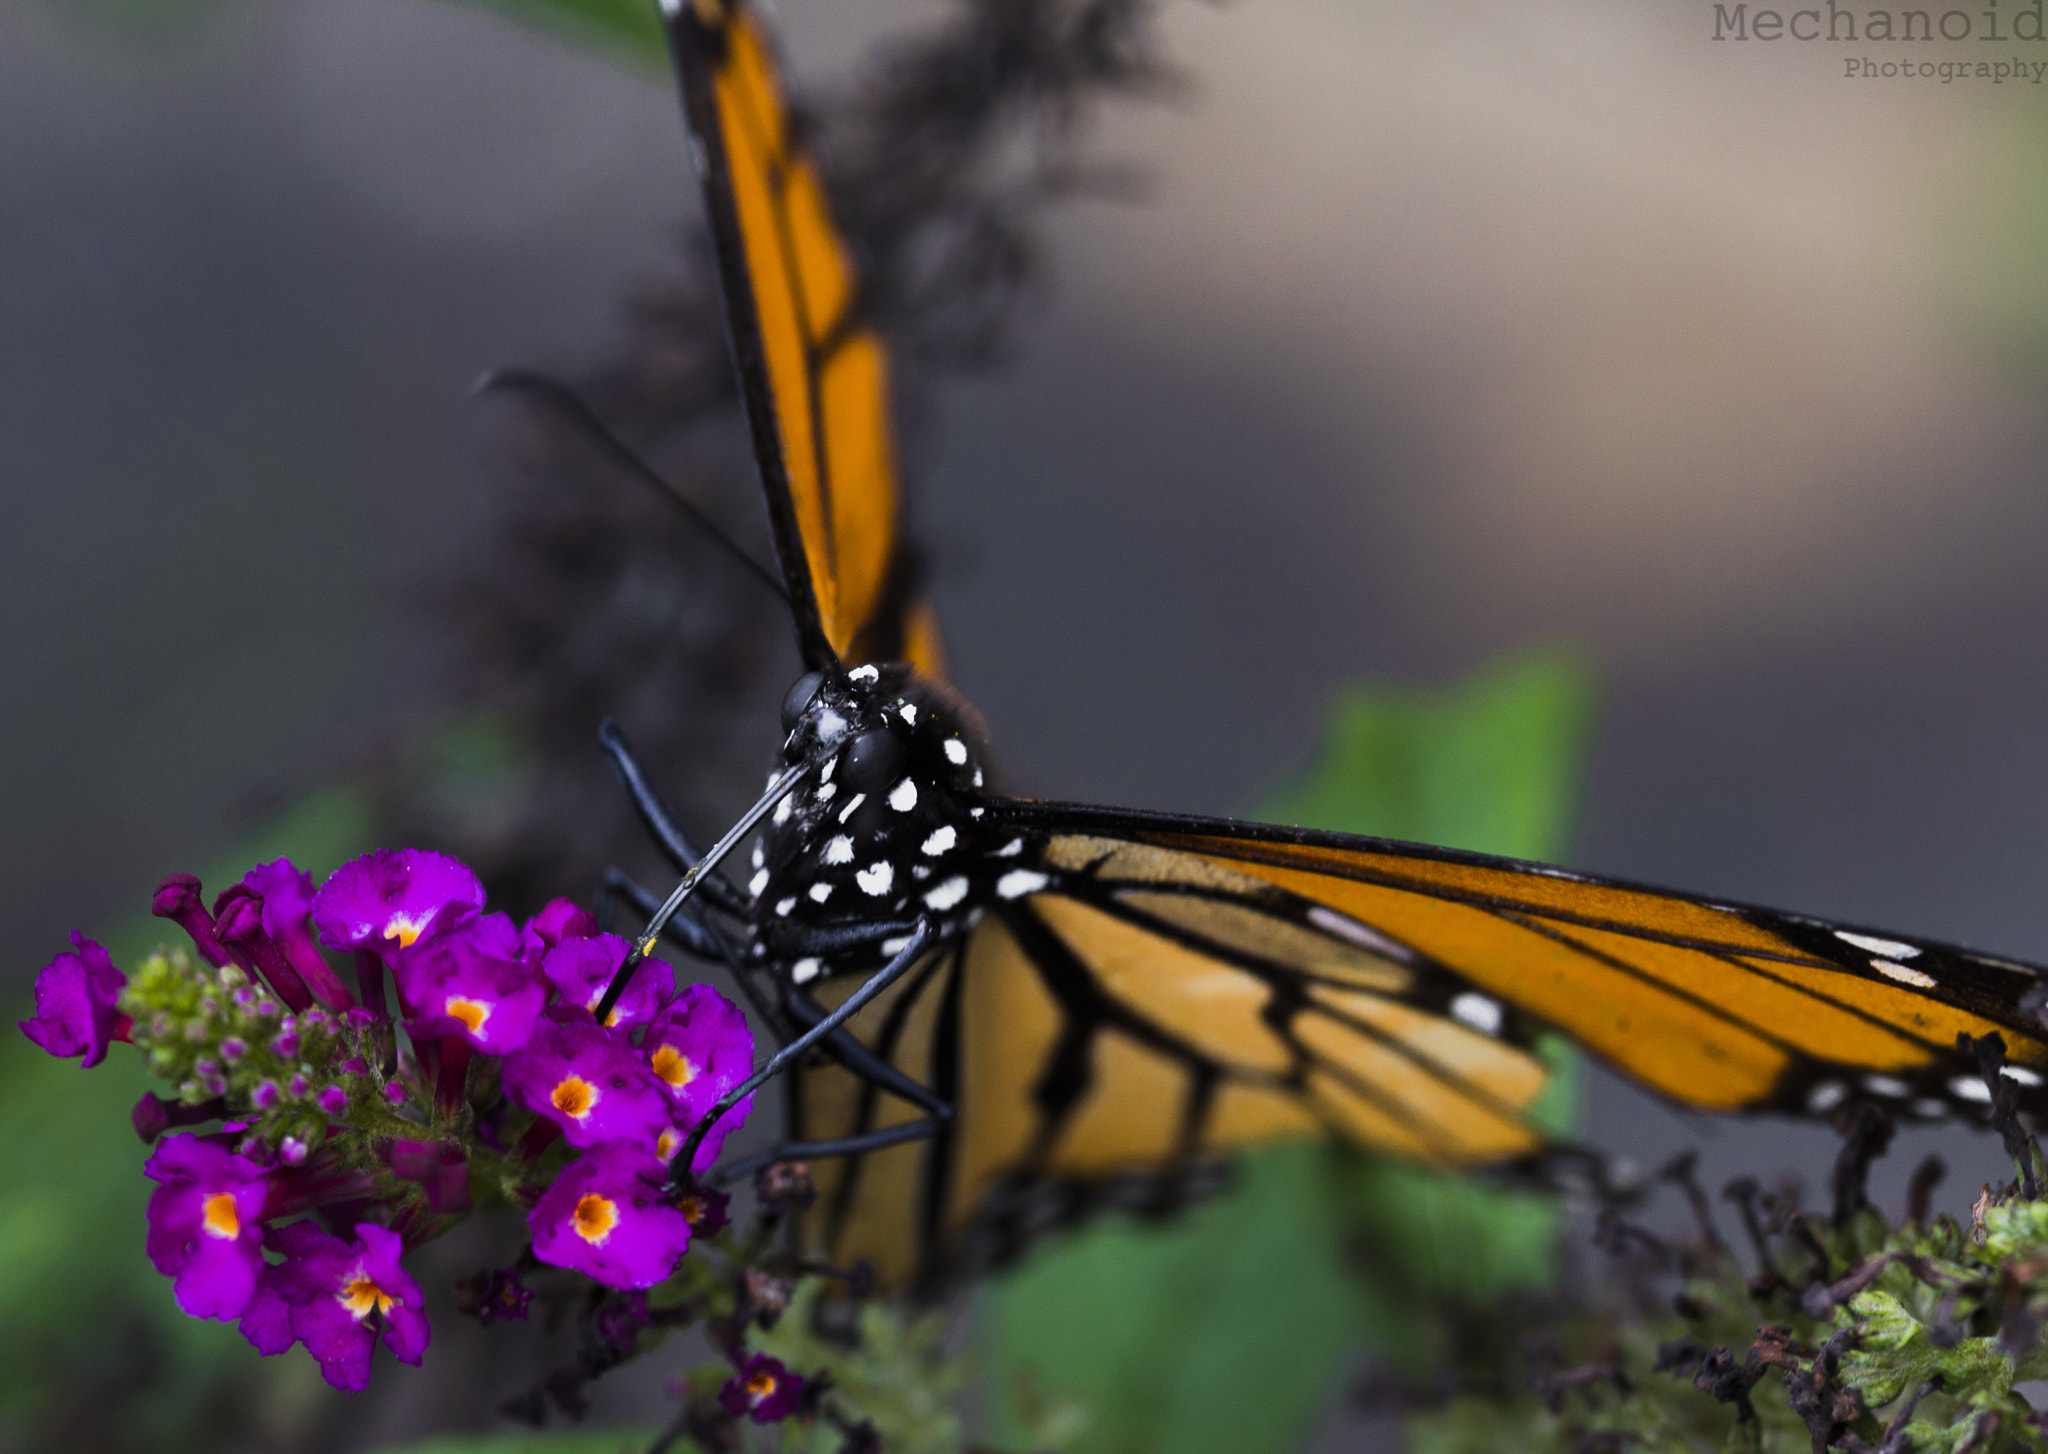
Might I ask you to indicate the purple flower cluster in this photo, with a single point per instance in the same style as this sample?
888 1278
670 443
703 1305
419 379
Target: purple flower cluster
505 1087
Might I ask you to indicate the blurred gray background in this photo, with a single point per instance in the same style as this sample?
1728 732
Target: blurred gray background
1440 333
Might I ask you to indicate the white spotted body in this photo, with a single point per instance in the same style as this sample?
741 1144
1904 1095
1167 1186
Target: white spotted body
885 830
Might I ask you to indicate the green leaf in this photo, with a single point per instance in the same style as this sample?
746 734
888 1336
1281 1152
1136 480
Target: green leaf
1229 1329
625 30
1225 1330
1492 765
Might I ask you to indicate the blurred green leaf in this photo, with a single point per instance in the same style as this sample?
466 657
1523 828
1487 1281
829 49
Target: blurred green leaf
1224 1330
626 30
151 24
1229 1329
1492 765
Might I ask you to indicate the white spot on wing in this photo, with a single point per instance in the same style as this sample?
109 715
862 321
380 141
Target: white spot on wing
976 812
805 970
903 797
1019 882
1970 1088
758 882
1826 1096
1477 1011
1011 849
977 777
820 893
1352 932
827 791
947 894
831 766
782 811
757 853
1902 974
782 909
941 841
910 713
875 878
2021 1074
1885 1085
851 803
839 850
864 674
1884 948
956 752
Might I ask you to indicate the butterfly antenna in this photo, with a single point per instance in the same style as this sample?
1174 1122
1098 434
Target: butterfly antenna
569 406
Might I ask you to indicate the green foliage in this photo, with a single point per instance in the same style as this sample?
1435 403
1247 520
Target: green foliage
627 30
1930 1328
1229 1329
894 1373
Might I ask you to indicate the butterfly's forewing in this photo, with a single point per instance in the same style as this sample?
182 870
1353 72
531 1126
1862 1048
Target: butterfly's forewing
813 374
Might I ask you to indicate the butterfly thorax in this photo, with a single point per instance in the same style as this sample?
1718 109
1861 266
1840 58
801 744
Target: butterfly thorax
886 828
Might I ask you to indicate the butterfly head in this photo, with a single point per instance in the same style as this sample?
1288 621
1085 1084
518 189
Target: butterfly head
881 830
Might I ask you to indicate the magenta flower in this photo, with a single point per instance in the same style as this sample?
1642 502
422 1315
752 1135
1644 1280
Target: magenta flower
391 899
76 998
592 1084
562 920
582 970
204 1224
699 1048
478 980
604 1218
763 1390
177 899
336 1298
287 894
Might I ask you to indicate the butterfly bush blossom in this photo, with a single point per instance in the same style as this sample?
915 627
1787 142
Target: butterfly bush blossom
356 1068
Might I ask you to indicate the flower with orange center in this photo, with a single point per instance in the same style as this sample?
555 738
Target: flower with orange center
583 970
590 1082
341 1298
221 1217
478 981
206 1224
673 1066
362 1296
762 1389
469 1013
575 1097
605 1218
594 1217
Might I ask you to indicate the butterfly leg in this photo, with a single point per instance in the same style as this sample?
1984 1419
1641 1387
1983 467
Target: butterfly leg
659 819
898 966
694 931
689 930
863 1062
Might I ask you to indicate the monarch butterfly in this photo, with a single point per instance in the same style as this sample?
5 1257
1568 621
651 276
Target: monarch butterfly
1018 1008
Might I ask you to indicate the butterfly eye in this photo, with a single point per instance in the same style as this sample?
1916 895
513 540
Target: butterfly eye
800 698
874 762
